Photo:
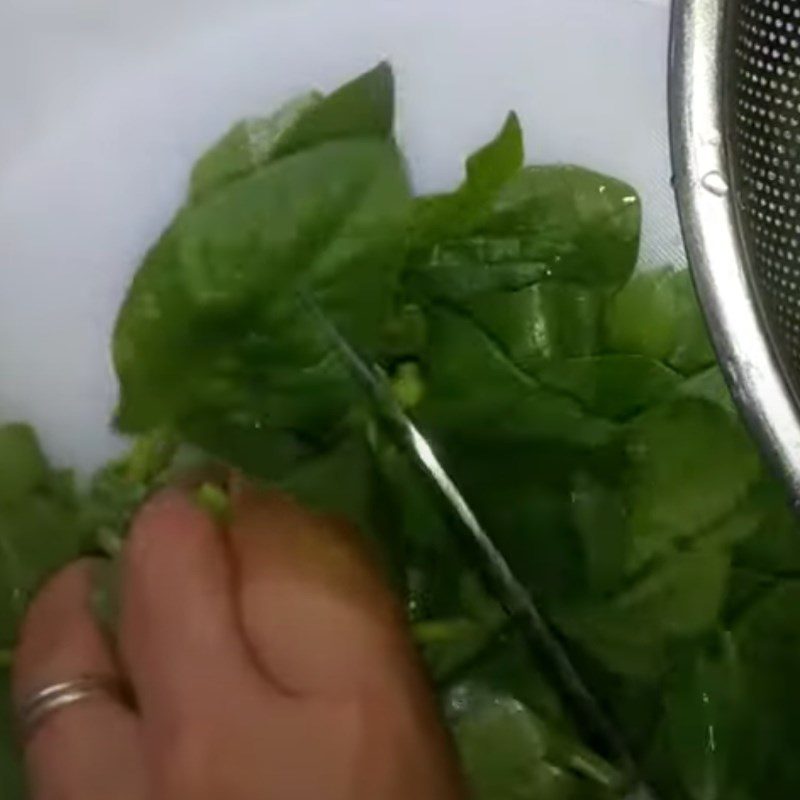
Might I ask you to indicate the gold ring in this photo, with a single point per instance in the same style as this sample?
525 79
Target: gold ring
44 702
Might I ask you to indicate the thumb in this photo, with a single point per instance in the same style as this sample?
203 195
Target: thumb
323 624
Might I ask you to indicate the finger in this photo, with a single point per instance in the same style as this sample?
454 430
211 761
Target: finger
312 601
90 749
180 636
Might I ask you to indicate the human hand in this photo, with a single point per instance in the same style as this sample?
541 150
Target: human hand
267 660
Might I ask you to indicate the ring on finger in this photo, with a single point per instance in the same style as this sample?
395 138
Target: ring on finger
46 701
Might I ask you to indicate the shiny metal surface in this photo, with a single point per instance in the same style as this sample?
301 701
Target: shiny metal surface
40 705
735 147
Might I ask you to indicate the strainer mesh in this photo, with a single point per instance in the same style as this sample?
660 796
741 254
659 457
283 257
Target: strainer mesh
764 134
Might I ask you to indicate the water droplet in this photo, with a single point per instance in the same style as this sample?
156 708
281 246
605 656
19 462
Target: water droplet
715 183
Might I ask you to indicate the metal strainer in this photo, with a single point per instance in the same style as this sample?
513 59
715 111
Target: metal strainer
735 129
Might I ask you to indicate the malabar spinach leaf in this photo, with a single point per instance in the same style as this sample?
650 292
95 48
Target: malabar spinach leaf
40 524
361 109
442 217
214 332
656 314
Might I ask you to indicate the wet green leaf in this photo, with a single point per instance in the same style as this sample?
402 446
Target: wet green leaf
656 315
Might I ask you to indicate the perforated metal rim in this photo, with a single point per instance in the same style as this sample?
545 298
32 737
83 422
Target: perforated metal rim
721 265
764 130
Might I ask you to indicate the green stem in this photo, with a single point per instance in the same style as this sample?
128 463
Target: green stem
215 501
442 631
6 657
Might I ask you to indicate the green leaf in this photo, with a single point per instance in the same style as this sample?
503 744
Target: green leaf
702 706
344 481
741 524
360 109
684 594
338 481
656 315
527 493
248 145
215 334
452 647
710 385
528 518
12 777
633 632
440 217
121 486
448 644
404 334
472 386
37 536
542 224
509 665
539 323
583 225
496 161
691 465
600 517
40 525
774 549
462 268
686 504
23 467
611 386
502 747
437 583
509 753
768 639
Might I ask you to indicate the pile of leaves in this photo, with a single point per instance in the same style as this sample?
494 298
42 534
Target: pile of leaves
575 401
